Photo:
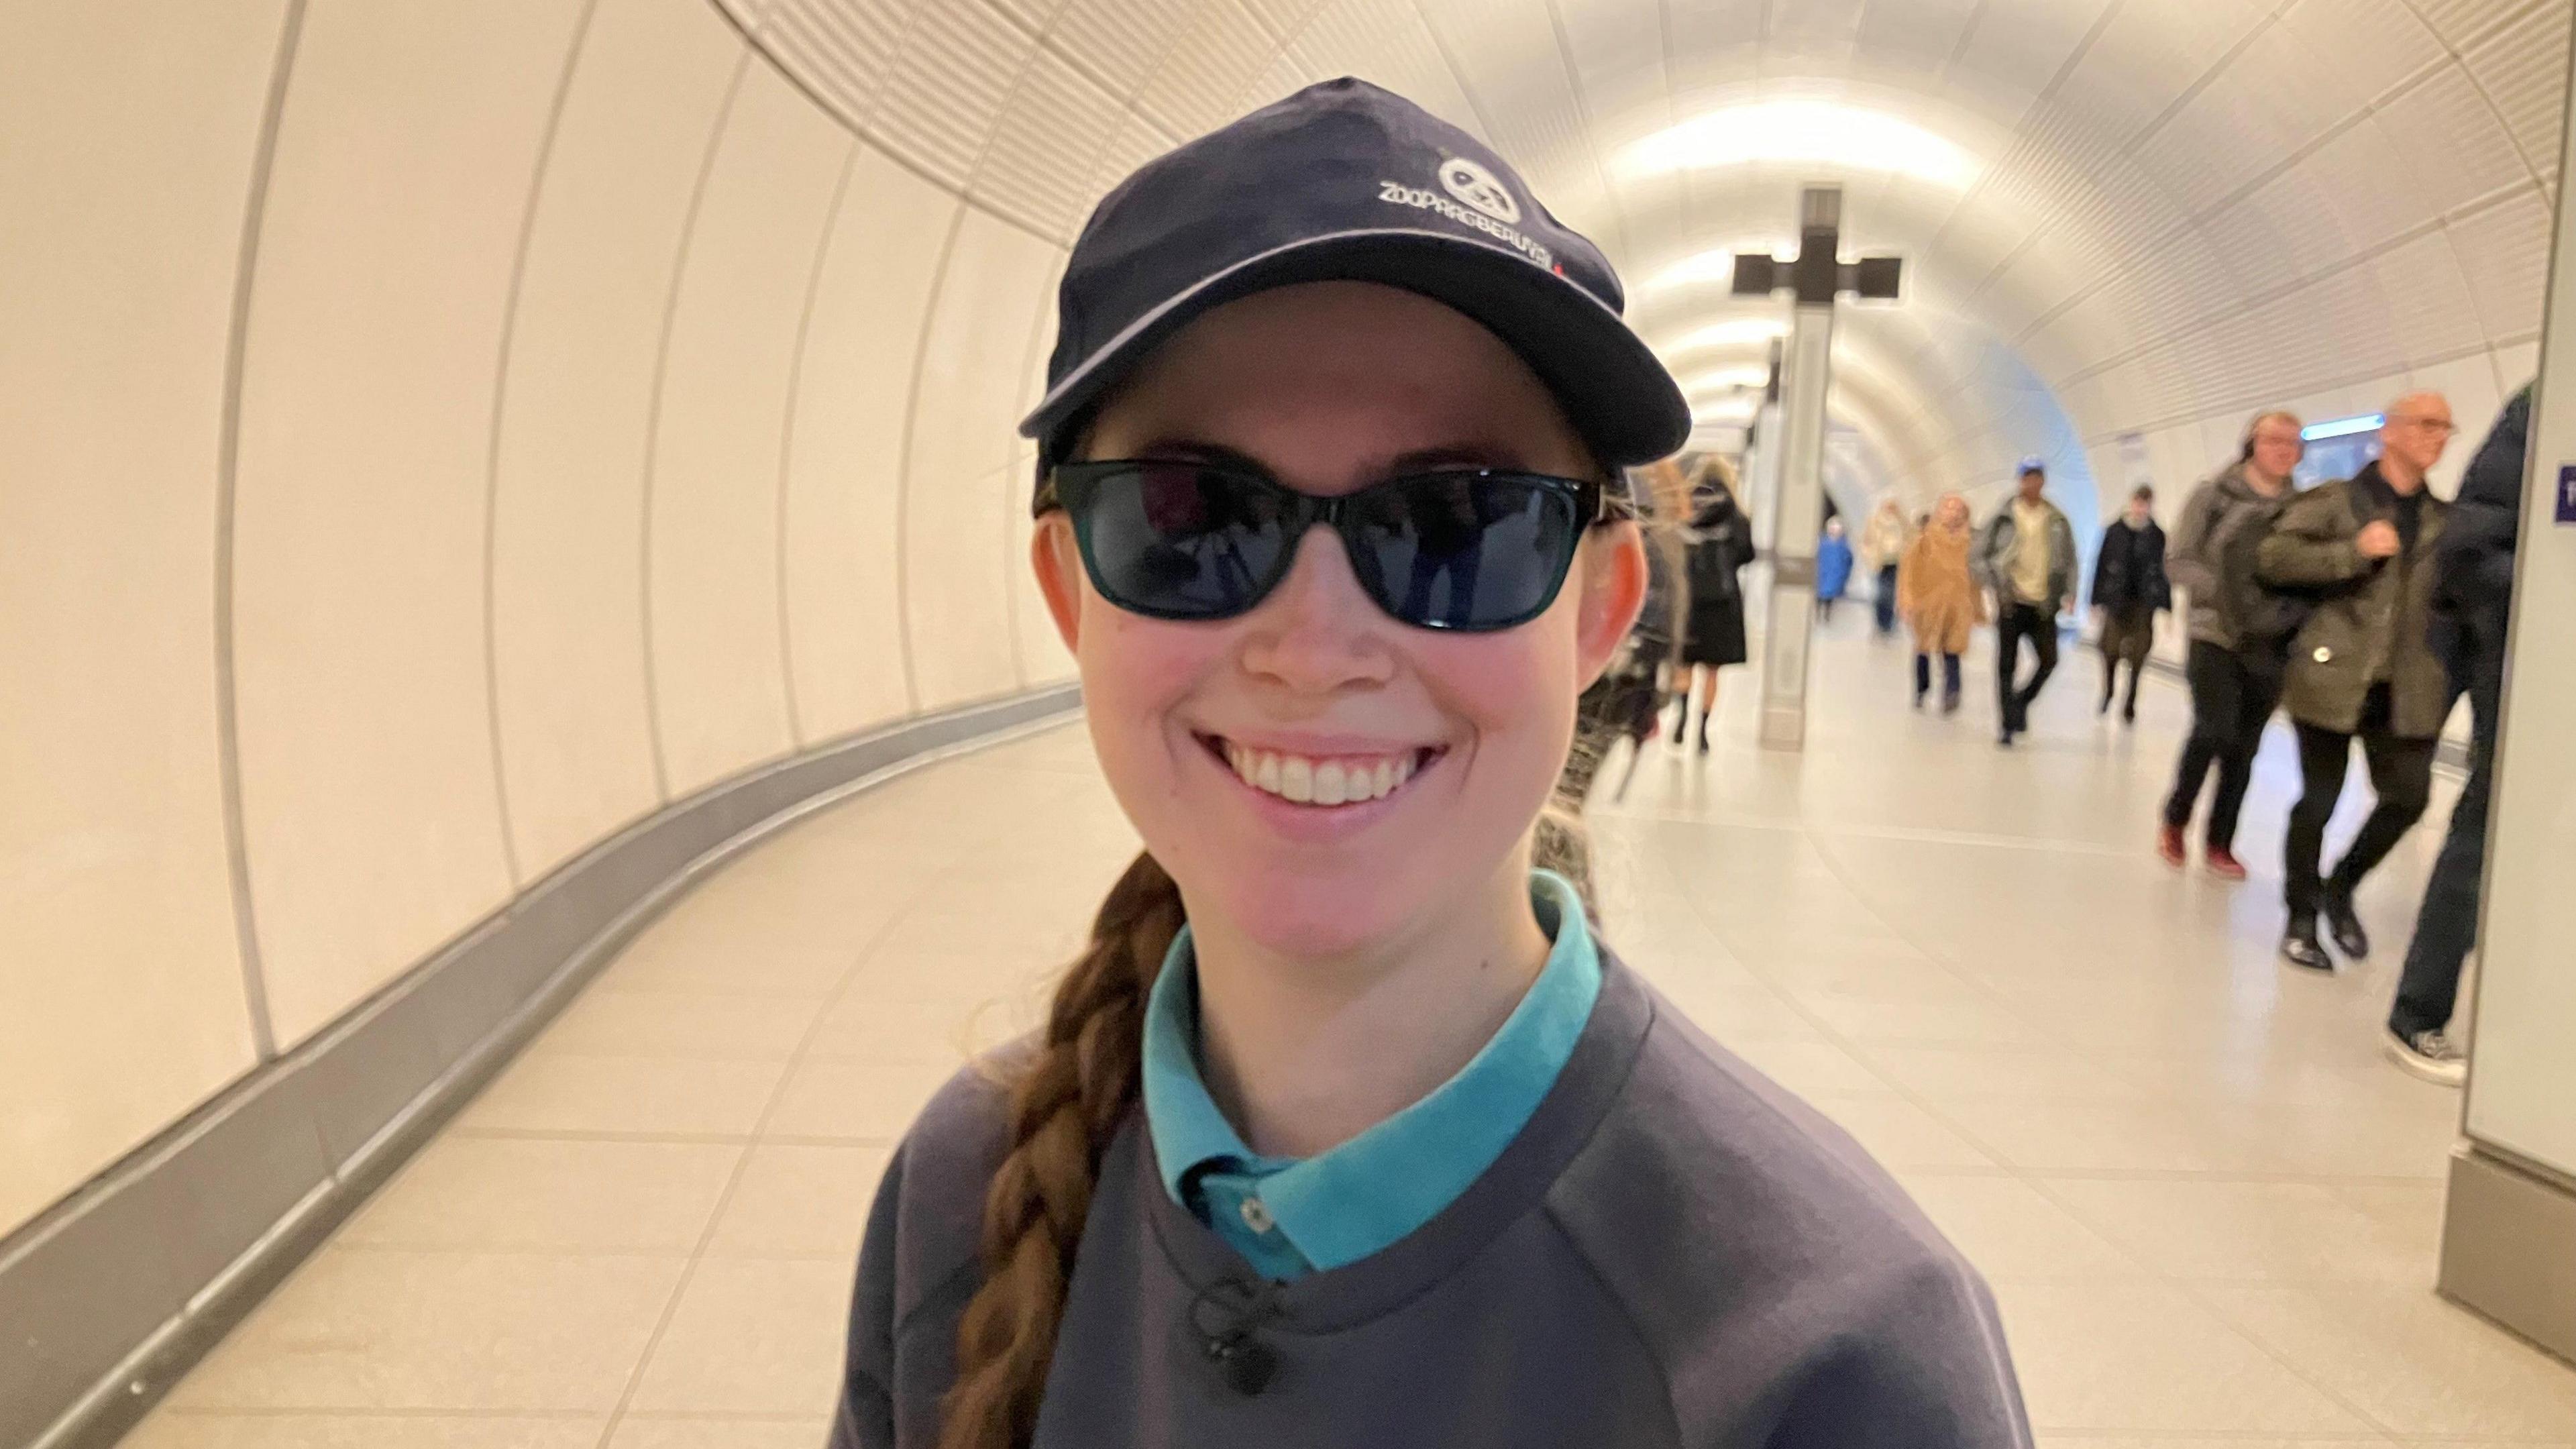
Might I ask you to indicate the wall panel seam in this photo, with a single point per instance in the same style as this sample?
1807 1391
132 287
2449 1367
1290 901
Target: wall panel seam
787 433
2199 222
864 131
492 452
2232 414
2207 78
903 474
2444 222
1591 130
653 413
227 489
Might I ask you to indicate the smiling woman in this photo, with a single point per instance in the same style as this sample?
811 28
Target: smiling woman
1348 1125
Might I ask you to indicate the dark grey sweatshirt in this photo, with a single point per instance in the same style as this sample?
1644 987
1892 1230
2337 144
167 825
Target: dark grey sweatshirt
1673 1252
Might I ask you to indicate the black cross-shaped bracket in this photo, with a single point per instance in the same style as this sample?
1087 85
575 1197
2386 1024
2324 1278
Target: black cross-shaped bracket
1818 274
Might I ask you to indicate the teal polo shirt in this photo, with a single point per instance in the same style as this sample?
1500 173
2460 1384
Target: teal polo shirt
1292 1216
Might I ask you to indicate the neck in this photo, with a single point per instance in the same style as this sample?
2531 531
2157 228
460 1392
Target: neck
2403 476
2264 482
1304 1054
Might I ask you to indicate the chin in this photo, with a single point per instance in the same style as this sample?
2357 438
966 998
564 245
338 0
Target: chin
1313 917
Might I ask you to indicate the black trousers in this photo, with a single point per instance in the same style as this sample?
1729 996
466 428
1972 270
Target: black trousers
1883 603
1923 674
2447 927
2401 773
2232 698
2022 621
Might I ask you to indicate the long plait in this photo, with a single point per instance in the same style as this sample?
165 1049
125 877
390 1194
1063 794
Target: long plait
1076 1090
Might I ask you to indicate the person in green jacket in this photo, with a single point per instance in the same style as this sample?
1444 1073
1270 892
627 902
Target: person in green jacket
2362 667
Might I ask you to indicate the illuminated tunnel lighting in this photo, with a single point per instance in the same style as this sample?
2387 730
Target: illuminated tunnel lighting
2342 428
1803 132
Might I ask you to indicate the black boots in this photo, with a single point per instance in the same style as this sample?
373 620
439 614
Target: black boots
2344 923
2299 947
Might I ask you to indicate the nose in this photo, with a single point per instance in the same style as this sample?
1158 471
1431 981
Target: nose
1319 631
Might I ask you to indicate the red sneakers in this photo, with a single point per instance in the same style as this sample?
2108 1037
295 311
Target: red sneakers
2224 864
2169 846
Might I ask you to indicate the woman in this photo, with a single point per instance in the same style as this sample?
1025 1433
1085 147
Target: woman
1938 594
1882 548
1721 544
2129 590
1346 1128
2240 637
1833 569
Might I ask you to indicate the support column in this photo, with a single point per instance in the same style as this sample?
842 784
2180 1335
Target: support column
1793 442
1798 513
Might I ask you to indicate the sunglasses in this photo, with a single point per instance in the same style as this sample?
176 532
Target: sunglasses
1471 550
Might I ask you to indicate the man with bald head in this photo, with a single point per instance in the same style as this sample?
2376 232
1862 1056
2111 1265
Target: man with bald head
2362 666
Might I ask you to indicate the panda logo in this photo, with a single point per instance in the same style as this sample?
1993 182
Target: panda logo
1477 187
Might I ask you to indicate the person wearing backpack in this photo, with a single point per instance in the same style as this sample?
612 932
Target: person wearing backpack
2472 598
1721 544
2363 667
2239 634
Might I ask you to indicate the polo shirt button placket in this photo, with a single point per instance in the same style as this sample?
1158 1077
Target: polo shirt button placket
1256 1216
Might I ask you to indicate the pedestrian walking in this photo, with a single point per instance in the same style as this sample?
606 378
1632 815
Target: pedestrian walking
2240 635
2472 597
1721 544
1882 552
2129 590
1833 568
2363 668
2027 558
1937 593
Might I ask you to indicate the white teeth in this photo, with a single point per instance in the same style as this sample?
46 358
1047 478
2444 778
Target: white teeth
1306 781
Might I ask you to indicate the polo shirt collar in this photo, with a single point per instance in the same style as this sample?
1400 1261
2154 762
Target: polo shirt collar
1365 1195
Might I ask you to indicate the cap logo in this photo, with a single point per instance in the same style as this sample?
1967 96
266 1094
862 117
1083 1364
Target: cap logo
1479 188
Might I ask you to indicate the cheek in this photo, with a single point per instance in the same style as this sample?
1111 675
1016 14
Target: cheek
1515 691
1135 671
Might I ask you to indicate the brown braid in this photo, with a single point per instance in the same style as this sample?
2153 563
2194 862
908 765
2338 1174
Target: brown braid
1065 1107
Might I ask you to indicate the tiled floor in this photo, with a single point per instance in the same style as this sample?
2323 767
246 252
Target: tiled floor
2207 1205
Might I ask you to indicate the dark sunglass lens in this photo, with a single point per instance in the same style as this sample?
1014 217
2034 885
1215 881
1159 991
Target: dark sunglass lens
1182 542
1469 551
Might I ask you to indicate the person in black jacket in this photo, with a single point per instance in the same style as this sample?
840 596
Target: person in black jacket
2472 594
2129 590
1721 543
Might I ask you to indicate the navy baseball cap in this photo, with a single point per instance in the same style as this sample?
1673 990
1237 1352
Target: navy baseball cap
1344 181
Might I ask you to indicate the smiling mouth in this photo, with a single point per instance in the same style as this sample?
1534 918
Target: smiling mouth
1322 782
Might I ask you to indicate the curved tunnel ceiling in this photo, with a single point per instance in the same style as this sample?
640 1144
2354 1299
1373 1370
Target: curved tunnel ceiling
2139 217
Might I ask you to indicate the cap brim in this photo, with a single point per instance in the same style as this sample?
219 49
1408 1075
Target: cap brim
1613 388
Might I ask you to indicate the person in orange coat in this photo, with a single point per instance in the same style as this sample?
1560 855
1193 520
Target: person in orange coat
1938 595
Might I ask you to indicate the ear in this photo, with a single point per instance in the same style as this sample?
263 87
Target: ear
1057 560
1614 590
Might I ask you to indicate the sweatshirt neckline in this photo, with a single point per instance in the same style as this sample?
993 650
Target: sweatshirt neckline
1519 1179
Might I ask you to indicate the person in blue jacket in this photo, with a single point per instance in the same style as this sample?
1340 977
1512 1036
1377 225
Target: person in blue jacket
1347 1126
1833 568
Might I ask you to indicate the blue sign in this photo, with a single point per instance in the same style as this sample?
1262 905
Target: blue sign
2567 494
